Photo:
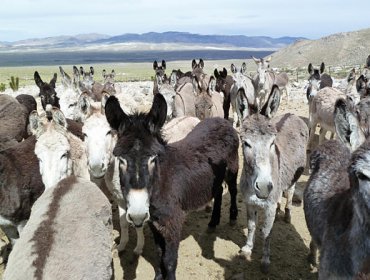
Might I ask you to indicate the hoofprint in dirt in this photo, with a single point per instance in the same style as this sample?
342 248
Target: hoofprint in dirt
205 255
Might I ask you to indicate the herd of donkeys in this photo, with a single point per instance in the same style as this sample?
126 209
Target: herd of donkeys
62 167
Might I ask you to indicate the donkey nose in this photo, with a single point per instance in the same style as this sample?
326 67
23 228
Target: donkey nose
137 220
263 189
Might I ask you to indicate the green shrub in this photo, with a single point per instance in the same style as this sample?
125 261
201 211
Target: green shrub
2 87
14 83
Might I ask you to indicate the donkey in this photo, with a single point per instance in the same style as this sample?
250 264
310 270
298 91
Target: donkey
208 102
317 80
265 79
321 111
20 186
168 92
60 153
160 74
68 235
224 83
161 182
47 92
363 85
178 78
69 96
271 167
336 206
99 142
241 94
14 114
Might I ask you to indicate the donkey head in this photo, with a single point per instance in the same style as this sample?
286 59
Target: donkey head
363 86
52 147
100 139
314 80
160 71
220 79
263 65
351 122
108 77
203 100
139 149
47 92
87 81
258 136
169 93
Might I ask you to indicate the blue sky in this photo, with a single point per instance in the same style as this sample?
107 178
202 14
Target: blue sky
22 19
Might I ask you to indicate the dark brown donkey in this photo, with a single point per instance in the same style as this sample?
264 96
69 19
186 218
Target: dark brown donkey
20 186
161 181
224 84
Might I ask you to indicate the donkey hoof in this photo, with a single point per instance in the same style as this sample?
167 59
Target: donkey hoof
265 266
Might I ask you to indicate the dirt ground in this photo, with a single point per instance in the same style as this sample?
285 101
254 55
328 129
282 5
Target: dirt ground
205 255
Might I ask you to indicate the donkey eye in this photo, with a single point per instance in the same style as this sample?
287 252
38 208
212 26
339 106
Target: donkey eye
247 145
122 161
109 132
362 176
85 135
64 155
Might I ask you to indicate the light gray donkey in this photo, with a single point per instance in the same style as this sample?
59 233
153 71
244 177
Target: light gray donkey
274 159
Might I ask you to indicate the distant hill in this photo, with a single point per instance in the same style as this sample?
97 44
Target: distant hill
341 49
150 40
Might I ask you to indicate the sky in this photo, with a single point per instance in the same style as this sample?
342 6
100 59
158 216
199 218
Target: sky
24 19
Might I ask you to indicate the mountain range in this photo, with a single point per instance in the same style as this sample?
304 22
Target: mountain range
176 39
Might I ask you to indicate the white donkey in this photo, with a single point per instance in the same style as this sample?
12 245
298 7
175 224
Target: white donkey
274 158
266 78
60 153
241 94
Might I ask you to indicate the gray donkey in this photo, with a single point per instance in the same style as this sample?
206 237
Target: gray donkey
336 198
274 159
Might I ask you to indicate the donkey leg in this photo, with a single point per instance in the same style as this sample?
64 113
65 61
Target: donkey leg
288 206
160 246
231 179
252 216
226 106
312 256
322 135
312 127
171 255
140 240
124 229
219 170
269 217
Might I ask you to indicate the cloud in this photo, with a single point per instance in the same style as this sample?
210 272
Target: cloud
42 18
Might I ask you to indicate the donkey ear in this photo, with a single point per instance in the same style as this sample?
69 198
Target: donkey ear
158 114
351 75
38 80
104 73
322 67
216 73
104 100
92 71
211 85
164 64
53 80
83 103
244 68
233 68
59 118
193 64
361 83
368 62
201 63
113 74
155 65
272 105
256 60
82 70
310 69
34 122
347 125
224 73
116 118
75 71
